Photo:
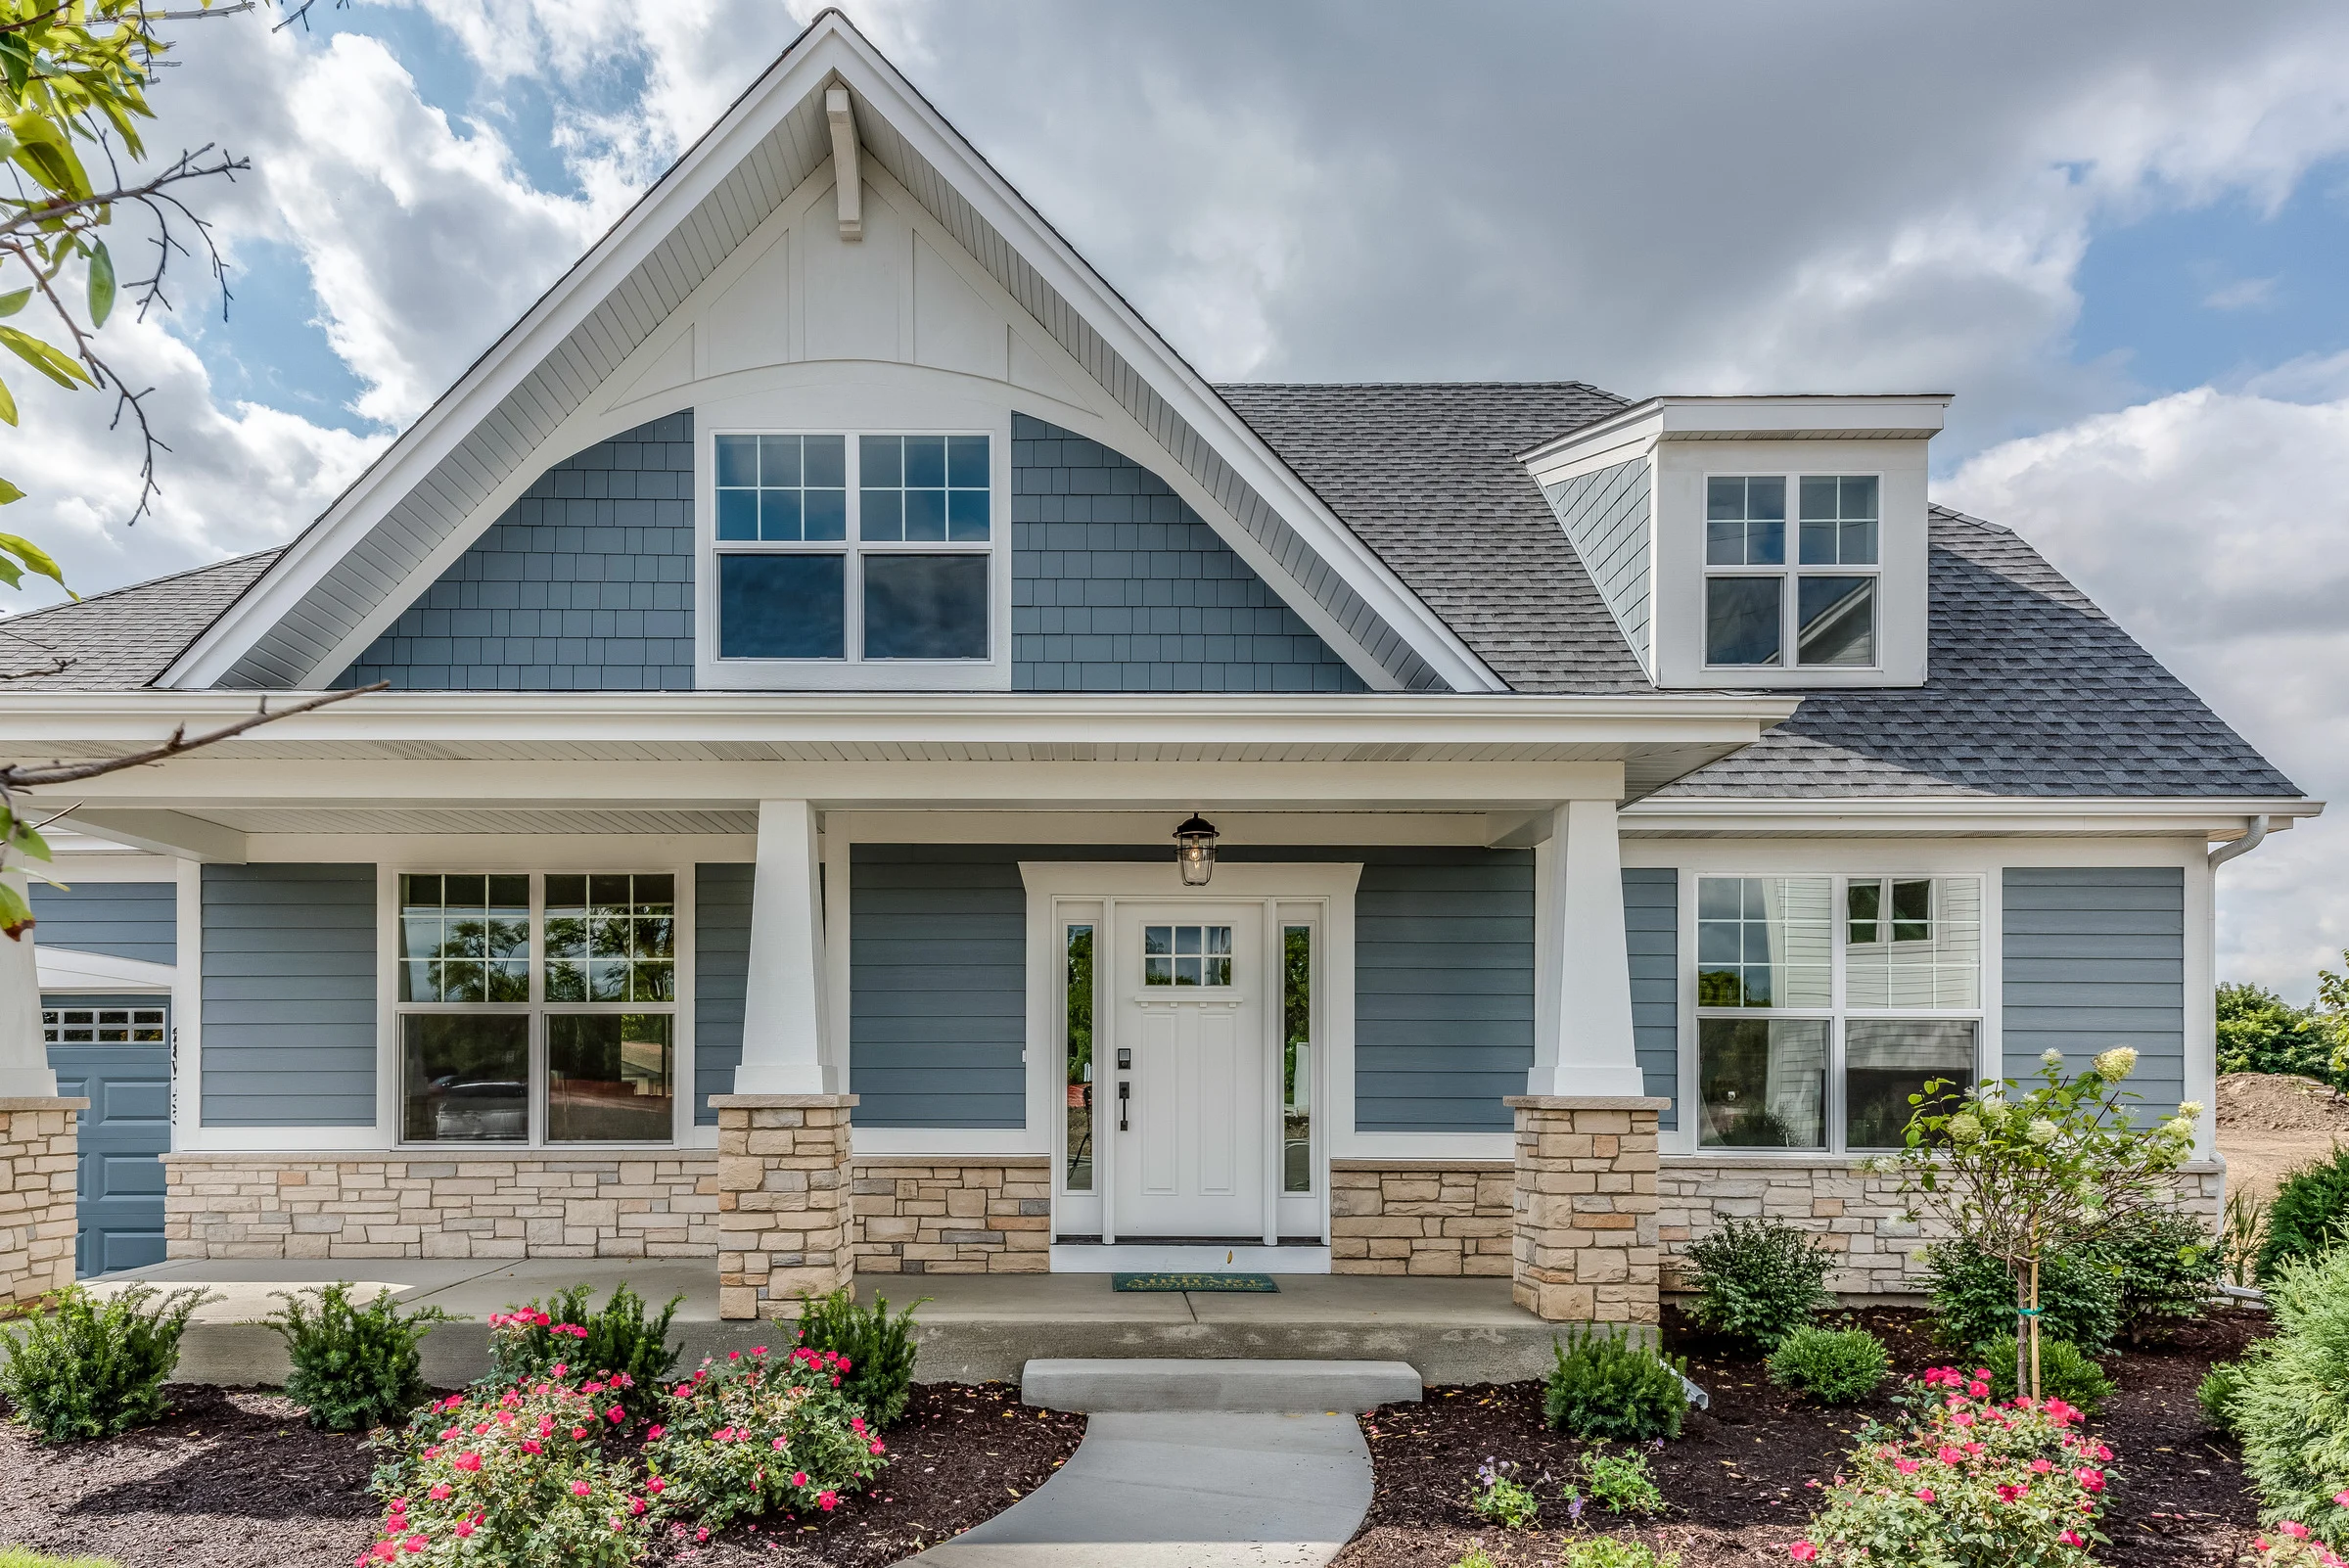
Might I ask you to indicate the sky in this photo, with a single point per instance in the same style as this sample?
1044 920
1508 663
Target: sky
2120 236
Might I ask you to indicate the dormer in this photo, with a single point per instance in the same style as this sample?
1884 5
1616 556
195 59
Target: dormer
1755 542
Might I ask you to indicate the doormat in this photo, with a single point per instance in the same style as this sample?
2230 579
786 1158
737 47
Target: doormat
1260 1284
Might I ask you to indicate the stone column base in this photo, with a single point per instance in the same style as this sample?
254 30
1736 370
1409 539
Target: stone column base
38 1181
783 1201
1585 1208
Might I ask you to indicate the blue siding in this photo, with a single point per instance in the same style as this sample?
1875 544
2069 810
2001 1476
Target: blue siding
585 584
288 995
1117 586
1605 514
938 985
1443 980
120 919
1652 919
2094 957
721 969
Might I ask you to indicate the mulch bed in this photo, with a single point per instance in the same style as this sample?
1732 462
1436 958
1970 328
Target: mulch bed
233 1476
1735 1480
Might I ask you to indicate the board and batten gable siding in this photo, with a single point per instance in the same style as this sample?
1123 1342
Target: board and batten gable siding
1118 585
722 973
288 995
1651 928
2094 957
938 985
585 585
120 919
1605 516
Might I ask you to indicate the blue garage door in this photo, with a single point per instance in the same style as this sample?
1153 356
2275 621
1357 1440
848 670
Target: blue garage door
116 1051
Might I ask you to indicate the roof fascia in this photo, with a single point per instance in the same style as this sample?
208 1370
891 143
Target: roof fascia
1813 416
1969 815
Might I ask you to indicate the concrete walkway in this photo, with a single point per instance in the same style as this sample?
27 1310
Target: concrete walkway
1189 1490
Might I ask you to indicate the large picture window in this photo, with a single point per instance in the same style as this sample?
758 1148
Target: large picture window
1816 608
537 1009
1824 1002
855 548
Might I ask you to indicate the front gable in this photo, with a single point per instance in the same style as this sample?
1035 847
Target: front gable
732 293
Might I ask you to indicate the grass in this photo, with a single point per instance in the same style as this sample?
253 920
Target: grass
26 1558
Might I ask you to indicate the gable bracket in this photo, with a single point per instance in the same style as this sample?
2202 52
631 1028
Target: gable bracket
842 114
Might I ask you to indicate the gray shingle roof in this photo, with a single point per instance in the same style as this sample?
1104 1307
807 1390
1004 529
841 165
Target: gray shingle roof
124 639
1427 476
2032 691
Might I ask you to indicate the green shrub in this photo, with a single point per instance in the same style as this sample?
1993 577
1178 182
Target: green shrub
2217 1395
2291 1406
527 1341
354 1366
1500 1498
1609 1551
1758 1280
2065 1372
1974 1296
96 1365
1476 1557
2308 1214
1606 1386
1833 1366
2258 1031
755 1433
880 1349
2170 1265
1619 1483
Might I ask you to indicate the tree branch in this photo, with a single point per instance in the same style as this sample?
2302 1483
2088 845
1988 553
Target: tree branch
17 776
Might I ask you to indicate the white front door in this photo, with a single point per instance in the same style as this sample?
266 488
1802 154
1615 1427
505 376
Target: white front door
1190 1154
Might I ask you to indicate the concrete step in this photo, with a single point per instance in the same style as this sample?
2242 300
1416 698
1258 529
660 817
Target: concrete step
1250 1387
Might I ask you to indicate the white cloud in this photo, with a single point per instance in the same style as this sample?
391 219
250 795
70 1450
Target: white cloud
2243 294
2212 525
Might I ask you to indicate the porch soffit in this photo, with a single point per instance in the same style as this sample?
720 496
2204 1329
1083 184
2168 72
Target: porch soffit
382 531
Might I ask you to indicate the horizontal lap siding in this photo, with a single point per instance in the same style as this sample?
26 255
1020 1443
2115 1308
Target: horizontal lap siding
120 919
938 985
288 995
721 969
2094 957
1652 919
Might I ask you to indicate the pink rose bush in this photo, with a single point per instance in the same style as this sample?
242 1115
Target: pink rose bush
758 1433
2292 1545
1968 1484
513 1479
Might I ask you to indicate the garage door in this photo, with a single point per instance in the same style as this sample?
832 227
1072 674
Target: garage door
116 1051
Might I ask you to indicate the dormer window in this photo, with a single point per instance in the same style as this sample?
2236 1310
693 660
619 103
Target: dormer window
1823 613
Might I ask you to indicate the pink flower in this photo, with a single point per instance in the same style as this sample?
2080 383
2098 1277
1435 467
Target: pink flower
799 1478
467 1461
1977 1390
2294 1529
415 1542
531 1446
591 1386
733 1355
879 1446
757 1349
616 1414
1907 1466
655 1434
856 1424
559 1370
701 1534
827 1500
684 1390
465 1527
1924 1494
581 1489
2011 1493
2072 1538
481 1430
2341 1497
1950 1455
2093 1480
778 1444
438 1492
635 1505
1802 1551
2041 1467
579 1434
655 1486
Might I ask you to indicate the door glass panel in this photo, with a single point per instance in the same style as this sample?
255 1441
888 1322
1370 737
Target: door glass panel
609 1077
1297 1066
1078 1176
1187 955
465 1078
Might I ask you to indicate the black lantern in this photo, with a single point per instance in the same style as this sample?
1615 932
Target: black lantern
1195 850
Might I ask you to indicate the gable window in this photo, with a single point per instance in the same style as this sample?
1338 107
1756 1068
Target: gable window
855 548
537 1009
1816 608
1813 1032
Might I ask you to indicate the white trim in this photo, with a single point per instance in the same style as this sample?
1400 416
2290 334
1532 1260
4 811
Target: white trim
301 1140
1832 416
72 969
1943 815
187 1009
1146 1259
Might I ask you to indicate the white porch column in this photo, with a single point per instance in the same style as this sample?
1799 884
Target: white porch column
783 1003
1583 1014
24 1060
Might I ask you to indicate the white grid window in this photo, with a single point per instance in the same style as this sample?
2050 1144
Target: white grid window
102 1026
1818 609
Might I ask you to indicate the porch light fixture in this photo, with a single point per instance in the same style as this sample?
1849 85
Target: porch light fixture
1195 850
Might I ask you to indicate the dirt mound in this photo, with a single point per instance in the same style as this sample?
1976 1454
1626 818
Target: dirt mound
2270 1123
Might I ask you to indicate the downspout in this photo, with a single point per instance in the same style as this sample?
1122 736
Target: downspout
2256 831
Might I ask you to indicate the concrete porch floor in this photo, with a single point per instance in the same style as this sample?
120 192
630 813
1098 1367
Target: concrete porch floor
972 1328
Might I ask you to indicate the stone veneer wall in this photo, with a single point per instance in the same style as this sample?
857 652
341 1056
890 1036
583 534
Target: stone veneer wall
916 1215
1445 1217
783 1201
37 1180
1585 1208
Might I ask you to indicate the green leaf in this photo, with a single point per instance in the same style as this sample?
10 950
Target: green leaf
11 304
102 285
16 61
15 915
9 493
52 362
35 559
8 416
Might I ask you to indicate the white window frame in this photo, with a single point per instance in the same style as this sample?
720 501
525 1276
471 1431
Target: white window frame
390 1065
853 672
1837 1012
1790 572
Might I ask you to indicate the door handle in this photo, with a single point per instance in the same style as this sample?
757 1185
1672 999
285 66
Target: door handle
1125 1093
